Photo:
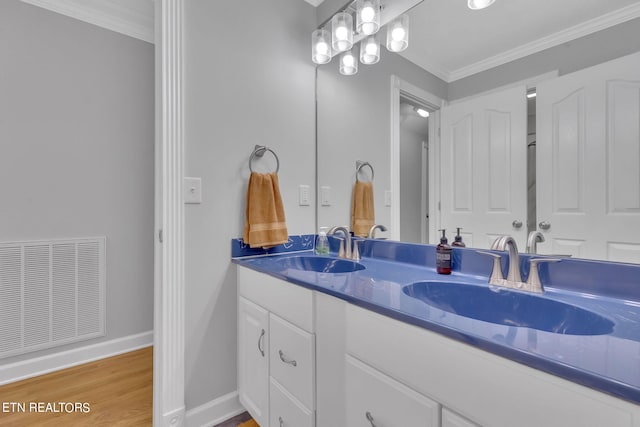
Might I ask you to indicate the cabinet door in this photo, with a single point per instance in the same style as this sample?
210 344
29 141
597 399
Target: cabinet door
376 400
451 419
253 359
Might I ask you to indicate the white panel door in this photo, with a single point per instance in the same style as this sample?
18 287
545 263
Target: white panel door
588 162
253 359
484 167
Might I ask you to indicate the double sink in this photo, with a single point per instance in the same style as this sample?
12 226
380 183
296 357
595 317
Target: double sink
481 302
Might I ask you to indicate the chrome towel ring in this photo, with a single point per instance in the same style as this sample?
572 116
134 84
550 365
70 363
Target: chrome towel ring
259 151
359 165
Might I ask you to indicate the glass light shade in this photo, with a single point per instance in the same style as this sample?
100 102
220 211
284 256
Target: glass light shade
369 50
321 46
479 4
398 34
348 63
367 16
341 32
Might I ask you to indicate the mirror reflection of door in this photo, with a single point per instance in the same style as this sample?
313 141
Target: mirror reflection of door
414 189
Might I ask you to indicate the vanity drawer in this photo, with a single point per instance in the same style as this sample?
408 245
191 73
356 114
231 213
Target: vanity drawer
292 359
286 411
377 399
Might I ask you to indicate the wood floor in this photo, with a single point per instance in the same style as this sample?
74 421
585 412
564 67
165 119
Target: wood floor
117 391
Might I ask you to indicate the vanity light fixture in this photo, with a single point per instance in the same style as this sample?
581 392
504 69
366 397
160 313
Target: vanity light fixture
370 50
479 4
348 63
342 32
367 16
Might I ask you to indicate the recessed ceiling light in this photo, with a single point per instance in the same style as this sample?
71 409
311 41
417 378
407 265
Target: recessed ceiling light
479 4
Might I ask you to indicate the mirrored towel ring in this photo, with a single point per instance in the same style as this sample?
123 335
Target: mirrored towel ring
359 165
259 151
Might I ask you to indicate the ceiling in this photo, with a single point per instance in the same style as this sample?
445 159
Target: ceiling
452 41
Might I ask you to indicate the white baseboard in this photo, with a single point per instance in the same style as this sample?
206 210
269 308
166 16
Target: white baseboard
65 359
215 411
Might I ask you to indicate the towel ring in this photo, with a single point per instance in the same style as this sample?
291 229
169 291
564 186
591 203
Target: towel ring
360 165
259 151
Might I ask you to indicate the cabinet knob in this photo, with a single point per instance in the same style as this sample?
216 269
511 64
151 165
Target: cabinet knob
260 341
516 223
544 225
285 360
370 418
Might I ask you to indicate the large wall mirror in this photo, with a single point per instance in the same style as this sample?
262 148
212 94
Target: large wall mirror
580 135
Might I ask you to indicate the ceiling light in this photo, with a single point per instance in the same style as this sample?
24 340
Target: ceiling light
367 16
342 32
531 94
422 112
398 34
479 4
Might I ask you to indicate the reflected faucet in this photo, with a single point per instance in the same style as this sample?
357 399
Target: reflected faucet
372 230
502 244
534 238
347 240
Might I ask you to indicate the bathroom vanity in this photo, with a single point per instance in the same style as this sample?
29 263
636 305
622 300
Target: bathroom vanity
330 342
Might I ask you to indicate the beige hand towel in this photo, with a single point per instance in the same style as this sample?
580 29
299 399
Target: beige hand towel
265 222
362 212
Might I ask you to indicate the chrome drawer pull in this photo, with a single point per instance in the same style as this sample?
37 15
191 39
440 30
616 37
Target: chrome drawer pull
370 418
285 360
281 421
260 340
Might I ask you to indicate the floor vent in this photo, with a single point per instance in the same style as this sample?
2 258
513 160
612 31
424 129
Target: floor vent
51 293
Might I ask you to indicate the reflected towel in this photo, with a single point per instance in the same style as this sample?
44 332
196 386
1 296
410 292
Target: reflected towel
362 212
265 222
250 423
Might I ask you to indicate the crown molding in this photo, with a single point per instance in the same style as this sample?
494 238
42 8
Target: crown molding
600 23
134 18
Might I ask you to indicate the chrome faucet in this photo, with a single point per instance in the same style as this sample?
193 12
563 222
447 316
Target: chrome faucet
372 230
534 238
514 277
346 253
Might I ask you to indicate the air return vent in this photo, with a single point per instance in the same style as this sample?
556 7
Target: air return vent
51 293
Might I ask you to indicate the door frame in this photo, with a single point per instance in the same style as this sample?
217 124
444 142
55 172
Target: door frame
398 87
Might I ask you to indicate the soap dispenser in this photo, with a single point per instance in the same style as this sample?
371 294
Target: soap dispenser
443 255
458 240
322 243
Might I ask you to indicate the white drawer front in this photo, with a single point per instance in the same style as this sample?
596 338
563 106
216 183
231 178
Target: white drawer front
292 359
286 411
377 399
291 302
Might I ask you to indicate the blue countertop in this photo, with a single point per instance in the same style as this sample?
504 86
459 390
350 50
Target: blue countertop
609 363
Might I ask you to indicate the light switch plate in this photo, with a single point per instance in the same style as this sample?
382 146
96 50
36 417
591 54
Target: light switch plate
305 195
325 196
387 198
192 190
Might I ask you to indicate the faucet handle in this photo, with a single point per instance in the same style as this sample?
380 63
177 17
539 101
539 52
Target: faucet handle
497 278
355 253
533 281
341 251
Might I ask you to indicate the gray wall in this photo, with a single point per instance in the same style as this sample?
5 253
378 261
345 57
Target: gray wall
568 57
76 149
354 123
249 80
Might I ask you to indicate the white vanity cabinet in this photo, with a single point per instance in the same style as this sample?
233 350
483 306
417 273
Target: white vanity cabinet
451 419
276 350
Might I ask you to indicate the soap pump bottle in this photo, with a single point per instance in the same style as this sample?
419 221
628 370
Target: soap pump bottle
443 255
458 240
322 243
